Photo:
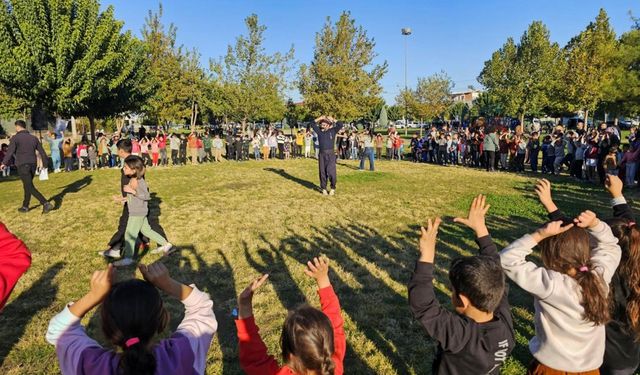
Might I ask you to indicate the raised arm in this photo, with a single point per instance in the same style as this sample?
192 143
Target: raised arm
15 259
476 221
606 253
448 328
543 190
621 209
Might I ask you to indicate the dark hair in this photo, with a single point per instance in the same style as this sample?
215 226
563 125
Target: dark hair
21 124
136 163
134 309
124 145
567 253
307 334
479 278
628 237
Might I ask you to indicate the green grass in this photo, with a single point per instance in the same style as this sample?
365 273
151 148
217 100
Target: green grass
234 221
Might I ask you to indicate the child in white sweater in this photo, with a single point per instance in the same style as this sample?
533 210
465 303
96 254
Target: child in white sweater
570 291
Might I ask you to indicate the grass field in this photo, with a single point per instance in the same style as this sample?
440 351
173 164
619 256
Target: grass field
234 221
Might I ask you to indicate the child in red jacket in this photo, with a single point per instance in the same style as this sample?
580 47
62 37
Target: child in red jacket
15 259
312 340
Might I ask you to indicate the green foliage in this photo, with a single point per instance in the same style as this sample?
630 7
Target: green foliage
590 67
250 82
67 56
296 113
394 112
383 120
459 111
488 106
341 80
623 94
523 78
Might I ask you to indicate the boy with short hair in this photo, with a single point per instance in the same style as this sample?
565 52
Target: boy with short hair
478 337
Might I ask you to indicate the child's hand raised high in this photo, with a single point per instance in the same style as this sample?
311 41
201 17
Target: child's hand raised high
476 217
587 220
613 184
543 189
428 240
551 229
157 274
101 283
245 299
319 270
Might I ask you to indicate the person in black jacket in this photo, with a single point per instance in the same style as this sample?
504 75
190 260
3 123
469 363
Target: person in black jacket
23 147
327 128
622 346
478 337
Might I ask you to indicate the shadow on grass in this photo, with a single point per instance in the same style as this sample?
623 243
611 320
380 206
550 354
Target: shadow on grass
73 187
298 180
18 313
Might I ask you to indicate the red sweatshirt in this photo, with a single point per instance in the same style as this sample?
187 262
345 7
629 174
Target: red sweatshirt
254 358
15 259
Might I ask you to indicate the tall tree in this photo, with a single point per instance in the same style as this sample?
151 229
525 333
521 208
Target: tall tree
432 96
252 82
497 76
67 57
488 106
342 79
622 96
590 67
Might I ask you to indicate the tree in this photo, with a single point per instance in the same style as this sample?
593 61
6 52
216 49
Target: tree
395 112
342 80
176 72
590 66
252 82
622 96
432 96
67 57
522 77
459 111
383 120
488 106
296 113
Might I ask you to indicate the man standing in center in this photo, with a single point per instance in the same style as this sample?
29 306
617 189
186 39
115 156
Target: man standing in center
326 128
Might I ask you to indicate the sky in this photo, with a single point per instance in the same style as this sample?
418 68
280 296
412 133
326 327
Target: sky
456 37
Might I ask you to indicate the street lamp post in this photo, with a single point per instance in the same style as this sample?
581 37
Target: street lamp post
406 32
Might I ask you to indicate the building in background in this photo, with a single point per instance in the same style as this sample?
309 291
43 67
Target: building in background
466 97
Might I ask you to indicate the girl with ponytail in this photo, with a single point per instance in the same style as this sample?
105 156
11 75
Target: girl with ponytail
312 341
622 348
132 315
570 292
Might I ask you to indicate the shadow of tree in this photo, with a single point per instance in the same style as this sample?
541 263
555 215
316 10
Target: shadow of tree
18 313
71 188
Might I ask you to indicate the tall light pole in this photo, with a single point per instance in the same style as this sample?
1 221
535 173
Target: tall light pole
406 32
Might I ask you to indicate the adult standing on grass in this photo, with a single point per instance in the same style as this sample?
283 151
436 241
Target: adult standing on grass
23 147
327 128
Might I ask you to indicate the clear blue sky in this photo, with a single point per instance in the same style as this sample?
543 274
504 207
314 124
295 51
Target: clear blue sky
454 36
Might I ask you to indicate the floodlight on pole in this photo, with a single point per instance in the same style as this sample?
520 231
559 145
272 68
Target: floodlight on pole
406 31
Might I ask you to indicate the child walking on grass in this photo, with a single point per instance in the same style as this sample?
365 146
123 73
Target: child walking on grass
570 292
478 337
132 314
312 341
137 201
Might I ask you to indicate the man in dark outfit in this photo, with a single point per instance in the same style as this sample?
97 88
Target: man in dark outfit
116 242
23 147
326 128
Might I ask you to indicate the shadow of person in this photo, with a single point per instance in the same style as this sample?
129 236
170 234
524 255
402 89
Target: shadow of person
349 166
154 214
298 180
73 187
18 313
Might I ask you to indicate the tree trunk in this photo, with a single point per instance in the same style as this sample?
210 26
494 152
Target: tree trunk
522 120
244 125
92 126
586 118
74 129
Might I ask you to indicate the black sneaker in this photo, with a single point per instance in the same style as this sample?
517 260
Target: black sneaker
23 210
47 207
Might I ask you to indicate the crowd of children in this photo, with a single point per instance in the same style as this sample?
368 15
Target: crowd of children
586 294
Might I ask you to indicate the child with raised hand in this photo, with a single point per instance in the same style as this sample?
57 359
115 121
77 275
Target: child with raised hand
622 348
132 315
478 337
570 292
313 341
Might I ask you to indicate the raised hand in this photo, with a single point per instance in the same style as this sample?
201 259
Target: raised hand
428 240
156 273
587 220
101 283
551 229
317 120
319 270
245 299
476 217
614 185
543 189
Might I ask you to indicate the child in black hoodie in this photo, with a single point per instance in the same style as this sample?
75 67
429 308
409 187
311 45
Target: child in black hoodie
478 337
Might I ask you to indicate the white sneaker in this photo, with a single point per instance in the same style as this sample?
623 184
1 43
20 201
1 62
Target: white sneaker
166 249
332 192
324 192
123 262
110 253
